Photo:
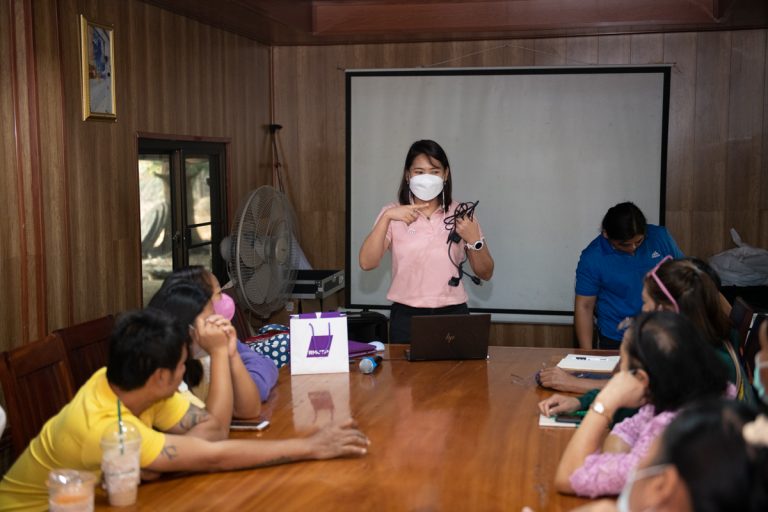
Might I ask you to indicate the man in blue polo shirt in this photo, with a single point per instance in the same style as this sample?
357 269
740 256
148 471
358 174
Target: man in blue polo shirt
609 277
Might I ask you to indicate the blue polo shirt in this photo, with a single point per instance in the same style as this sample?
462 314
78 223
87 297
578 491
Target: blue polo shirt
616 278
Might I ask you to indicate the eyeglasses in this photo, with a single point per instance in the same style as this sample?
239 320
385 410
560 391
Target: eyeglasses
663 288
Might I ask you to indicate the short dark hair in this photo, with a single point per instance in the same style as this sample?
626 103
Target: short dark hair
696 295
184 301
141 343
624 221
721 471
681 366
433 151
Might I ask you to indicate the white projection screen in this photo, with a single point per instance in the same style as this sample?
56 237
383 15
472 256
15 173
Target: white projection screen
546 151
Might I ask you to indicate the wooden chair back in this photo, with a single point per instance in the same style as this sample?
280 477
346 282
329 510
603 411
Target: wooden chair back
741 320
87 346
36 384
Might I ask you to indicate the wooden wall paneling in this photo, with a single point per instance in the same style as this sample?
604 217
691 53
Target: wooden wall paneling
646 49
174 86
167 48
333 150
513 53
10 225
194 69
26 172
539 335
613 50
762 240
247 102
284 96
313 170
53 164
34 222
710 131
73 184
745 125
680 51
581 51
230 90
550 52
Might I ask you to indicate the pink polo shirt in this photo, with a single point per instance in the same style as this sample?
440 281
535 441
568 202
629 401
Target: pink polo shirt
421 268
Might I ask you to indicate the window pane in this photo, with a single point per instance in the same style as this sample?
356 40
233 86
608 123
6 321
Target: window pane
155 205
201 256
197 183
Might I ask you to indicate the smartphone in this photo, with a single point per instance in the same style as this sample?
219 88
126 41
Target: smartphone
259 426
569 418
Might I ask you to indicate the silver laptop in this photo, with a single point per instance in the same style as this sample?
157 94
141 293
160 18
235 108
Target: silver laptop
440 337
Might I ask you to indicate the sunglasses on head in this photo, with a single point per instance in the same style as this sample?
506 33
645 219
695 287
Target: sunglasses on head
663 288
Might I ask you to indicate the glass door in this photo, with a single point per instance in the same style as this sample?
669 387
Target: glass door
183 213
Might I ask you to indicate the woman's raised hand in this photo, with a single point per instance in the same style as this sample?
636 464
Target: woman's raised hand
625 389
407 213
211 333
468 229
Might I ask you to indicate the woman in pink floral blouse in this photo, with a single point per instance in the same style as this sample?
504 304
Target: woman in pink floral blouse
665 365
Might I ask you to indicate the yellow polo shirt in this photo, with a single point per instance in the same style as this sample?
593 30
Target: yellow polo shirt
71 440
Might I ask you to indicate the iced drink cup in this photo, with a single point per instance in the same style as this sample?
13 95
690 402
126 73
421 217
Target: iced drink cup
120 463
70 490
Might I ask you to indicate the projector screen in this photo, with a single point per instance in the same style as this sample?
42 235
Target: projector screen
545 151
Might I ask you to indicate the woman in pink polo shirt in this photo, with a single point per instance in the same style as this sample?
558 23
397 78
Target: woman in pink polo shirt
426 279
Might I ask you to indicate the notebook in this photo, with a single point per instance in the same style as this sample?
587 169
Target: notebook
549 421
435 338
589 363
359 349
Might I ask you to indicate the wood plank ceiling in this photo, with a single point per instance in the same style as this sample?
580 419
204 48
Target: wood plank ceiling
291 22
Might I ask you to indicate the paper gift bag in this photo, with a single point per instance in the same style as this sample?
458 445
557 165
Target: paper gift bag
319 343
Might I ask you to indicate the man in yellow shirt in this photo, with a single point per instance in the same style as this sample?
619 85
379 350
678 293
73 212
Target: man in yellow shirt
146 365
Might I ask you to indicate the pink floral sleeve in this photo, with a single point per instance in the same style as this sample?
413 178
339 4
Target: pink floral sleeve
606 473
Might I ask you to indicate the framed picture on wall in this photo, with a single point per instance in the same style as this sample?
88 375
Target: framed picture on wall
97 50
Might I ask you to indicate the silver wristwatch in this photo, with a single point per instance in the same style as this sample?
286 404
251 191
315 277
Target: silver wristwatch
476 246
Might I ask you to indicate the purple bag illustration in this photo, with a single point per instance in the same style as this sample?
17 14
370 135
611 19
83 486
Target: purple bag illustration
320 344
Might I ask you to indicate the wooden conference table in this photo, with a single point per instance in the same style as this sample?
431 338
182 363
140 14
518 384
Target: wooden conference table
447 435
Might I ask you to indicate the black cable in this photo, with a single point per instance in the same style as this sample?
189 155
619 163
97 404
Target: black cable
462 210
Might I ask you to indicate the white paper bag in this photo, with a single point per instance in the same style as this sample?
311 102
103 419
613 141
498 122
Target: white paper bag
319 343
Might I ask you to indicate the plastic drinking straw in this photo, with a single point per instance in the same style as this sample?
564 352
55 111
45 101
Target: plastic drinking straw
120 433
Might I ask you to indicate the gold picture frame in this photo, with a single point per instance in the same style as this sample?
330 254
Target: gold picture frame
97 62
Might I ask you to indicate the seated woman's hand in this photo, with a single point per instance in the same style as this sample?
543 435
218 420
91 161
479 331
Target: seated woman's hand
210 335
558 404
556 378
625 389
229 330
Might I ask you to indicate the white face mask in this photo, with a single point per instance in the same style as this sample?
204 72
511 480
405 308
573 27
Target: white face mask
426 186
623 503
